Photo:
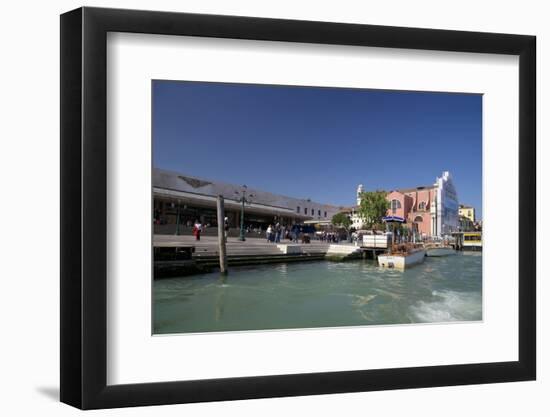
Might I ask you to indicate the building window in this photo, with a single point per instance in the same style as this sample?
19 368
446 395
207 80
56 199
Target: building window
422 206
319 213
418 219
395 204
325 214
298 209
305 210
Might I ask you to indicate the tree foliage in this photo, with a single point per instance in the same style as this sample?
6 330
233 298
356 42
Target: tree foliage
341 219
373 207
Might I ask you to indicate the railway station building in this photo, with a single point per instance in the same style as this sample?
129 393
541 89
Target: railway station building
195 198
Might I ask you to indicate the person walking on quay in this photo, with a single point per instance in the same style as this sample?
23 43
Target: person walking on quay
277 233
226 227
268 233
294 234
197 229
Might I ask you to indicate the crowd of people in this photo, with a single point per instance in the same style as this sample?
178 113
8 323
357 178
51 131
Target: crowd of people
329 237
274 233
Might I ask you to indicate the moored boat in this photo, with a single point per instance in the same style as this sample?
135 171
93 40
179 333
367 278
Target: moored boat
472 241
402 257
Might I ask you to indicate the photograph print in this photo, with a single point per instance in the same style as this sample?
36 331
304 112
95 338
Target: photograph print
293 207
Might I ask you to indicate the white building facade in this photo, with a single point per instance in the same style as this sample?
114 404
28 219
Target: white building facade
356 220
446 213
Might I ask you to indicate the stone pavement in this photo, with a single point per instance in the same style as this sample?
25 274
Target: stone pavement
208 245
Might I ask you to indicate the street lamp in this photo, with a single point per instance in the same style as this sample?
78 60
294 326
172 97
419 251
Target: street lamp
178 220
243 199
178 216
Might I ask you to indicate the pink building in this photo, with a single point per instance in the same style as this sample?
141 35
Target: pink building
431 210
416 206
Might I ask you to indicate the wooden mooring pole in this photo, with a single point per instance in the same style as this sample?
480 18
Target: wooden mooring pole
221 235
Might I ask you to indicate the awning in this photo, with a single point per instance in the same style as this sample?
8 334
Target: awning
320 222
393 219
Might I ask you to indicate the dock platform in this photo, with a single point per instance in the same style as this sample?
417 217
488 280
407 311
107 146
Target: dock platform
253 251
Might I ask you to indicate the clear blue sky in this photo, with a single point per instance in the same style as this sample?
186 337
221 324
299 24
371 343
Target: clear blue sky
318 143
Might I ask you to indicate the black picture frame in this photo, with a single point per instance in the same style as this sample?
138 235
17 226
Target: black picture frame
84 207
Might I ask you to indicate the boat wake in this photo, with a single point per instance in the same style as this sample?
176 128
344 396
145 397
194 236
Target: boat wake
362 300
449 306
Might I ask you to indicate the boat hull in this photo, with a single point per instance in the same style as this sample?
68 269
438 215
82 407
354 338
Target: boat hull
445 251
472 246
402 261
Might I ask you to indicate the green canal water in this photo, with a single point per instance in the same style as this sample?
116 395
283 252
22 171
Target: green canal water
320 294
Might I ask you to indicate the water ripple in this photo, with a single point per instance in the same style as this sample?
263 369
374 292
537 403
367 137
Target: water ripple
318 294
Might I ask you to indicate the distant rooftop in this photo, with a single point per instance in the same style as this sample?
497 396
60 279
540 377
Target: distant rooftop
176 181
419 188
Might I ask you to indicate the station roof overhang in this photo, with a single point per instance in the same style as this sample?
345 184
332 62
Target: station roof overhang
207 201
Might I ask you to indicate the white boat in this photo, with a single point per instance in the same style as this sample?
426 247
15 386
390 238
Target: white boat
439 251
402 260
